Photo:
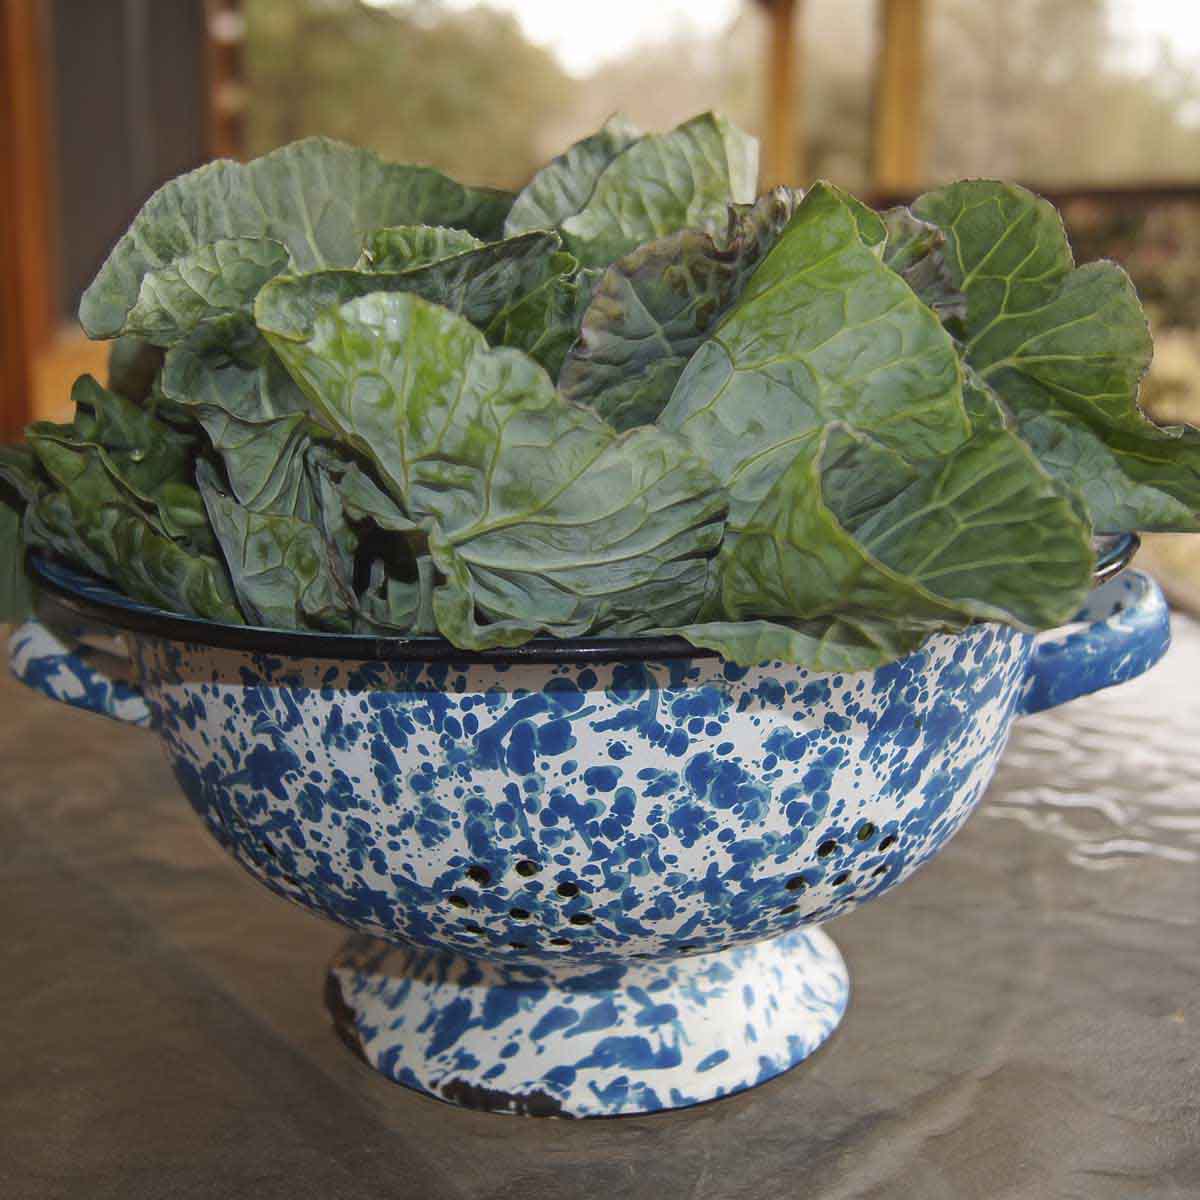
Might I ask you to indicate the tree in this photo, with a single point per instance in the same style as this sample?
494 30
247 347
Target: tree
465 92
1033 90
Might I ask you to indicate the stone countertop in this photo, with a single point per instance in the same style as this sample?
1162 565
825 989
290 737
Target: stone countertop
1025 1017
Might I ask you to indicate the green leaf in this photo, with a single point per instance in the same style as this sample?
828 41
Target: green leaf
132 367
406 247
121 541
655 306
257 421
562 187
989 531
399 600
145 452
361 499
18 488
662 183
145 457
823 332
480 285
376 543
847 642
16 586
871 227
521 292
19 475
280 565
539 516
915 251
324 467
357 517
545 321
317 197
864 550
46 522
49 525
1065 349
217 280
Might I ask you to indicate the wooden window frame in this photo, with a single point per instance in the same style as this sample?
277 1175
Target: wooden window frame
28 300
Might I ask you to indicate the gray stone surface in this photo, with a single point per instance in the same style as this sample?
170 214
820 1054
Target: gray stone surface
1025 1019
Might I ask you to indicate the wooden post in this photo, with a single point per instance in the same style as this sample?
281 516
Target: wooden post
784 159
897 136
27 257
226 28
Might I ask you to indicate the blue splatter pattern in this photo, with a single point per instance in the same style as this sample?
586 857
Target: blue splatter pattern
588 1041
558 812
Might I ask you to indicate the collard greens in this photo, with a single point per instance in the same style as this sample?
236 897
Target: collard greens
348 395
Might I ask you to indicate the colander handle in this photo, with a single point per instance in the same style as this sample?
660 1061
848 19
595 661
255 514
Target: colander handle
86 668
1123 630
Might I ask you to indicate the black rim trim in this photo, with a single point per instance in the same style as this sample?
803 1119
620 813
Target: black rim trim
1113 560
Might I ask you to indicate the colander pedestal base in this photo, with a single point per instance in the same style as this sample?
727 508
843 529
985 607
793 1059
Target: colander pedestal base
587 1040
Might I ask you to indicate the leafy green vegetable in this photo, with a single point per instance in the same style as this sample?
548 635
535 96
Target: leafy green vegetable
317 197
360 522
16 588
545 321
821 645
562 187
18 488
133 366
684 179
914 250
217 280
256 420
481 285
400 601
145 458
522 292
654 307
538 514
1065 348
124 539
405 247
869 552
822 332
872 229
357 396
45 520
282 570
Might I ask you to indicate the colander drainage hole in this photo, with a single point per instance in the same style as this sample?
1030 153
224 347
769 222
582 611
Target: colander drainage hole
458 901
266 845
527 867
567 890
789 908
838 880
519 914
560 941
880 870
581 919
796 884
479 874
519 945
865 832
825 849
888 841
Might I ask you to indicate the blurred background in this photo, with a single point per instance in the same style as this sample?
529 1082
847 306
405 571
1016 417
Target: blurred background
1095 103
